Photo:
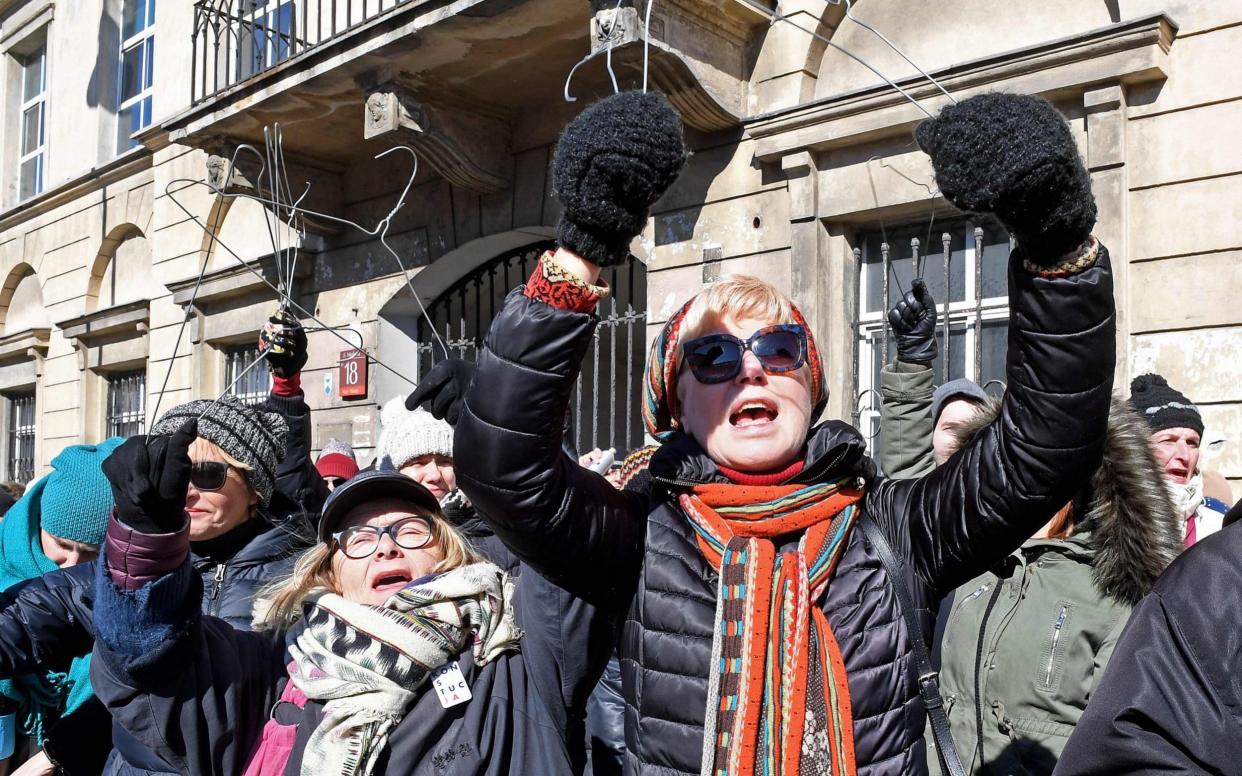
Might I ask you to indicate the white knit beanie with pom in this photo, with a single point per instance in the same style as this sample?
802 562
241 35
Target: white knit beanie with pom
407 434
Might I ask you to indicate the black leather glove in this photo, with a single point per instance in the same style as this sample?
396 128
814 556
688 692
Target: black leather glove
612 163
150 477
913 320
1013 155
443 389
284 341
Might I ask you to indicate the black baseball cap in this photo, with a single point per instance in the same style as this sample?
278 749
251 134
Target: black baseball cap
380 481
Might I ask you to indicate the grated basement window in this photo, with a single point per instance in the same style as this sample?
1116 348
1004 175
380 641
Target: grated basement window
21 436
250 386
127 404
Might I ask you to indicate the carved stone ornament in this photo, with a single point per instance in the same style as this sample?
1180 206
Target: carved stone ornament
217 167
467 148
379 114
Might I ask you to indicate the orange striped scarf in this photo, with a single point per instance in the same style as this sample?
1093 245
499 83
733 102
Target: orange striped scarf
778 701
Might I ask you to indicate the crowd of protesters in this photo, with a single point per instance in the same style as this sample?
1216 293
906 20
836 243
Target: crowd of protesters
752 594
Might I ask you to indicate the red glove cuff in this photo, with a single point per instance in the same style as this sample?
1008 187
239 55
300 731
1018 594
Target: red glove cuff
287 386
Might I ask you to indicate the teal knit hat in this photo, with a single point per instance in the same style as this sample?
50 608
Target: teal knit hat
77 499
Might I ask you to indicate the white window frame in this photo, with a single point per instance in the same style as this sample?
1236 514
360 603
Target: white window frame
39 100
869 327
143 100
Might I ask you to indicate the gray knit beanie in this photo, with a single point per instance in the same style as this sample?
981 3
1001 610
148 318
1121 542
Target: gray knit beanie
407 434
253 436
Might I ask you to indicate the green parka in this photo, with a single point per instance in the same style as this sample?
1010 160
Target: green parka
1026 643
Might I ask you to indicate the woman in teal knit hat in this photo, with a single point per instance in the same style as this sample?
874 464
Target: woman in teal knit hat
59 522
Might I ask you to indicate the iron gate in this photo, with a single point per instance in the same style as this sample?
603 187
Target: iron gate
606 410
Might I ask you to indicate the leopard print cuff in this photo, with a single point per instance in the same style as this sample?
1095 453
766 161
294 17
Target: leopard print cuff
551 284
1072 264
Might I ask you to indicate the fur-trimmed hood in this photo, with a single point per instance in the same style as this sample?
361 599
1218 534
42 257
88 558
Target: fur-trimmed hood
1133 526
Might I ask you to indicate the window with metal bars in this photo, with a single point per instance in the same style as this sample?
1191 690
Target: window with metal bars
245 376
606 409
127 404
965 265
21 451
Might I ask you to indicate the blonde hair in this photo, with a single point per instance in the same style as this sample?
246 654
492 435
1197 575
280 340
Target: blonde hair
279 605
738 297
206 450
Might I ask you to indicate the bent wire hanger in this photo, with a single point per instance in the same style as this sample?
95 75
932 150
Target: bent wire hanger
281 208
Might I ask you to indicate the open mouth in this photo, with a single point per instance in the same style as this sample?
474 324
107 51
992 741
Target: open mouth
390 582
1179 475
753 412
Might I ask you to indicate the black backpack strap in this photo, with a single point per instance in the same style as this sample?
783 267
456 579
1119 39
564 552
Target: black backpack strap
929 679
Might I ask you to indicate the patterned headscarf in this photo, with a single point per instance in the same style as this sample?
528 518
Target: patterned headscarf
660 409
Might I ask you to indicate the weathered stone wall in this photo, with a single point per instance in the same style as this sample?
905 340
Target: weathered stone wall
783 196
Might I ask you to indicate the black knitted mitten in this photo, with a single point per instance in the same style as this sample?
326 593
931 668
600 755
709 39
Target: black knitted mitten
1013 155
612 163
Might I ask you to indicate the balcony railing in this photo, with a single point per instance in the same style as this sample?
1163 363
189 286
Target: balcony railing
235 40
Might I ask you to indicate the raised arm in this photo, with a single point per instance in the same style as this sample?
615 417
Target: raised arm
298 484
188 687
612 163
906 387
1013 155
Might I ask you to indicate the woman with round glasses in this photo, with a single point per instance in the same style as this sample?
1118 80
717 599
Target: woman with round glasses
392 648
762 632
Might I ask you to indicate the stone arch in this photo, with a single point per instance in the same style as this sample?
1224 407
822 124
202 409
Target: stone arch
237 228
464 290
400 318
437 277
21 301
788 60
121 271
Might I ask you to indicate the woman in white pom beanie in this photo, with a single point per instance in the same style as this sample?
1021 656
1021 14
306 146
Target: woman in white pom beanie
420 446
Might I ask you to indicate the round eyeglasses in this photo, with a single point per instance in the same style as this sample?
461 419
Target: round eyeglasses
361 541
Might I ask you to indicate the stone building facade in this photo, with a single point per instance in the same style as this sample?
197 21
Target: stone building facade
119 112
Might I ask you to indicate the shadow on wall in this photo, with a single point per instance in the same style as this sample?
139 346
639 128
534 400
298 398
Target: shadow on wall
678 211
101 91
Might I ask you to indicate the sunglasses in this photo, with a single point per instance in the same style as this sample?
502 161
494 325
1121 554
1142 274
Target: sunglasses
717 358
209 475
361 541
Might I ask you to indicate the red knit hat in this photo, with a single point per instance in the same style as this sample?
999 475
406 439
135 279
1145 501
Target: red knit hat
336 460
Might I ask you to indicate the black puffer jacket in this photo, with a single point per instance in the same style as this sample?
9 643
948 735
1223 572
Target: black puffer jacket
1169 701
461 513
636 551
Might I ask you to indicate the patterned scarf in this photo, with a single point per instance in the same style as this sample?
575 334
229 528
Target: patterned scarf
778 703
366 663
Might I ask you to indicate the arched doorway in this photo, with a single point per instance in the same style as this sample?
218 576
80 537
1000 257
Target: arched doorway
606 410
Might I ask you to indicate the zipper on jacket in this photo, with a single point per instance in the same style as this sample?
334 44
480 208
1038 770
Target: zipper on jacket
216 586
980 591
1056 636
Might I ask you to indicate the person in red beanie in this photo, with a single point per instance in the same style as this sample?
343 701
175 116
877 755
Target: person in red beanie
336 463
